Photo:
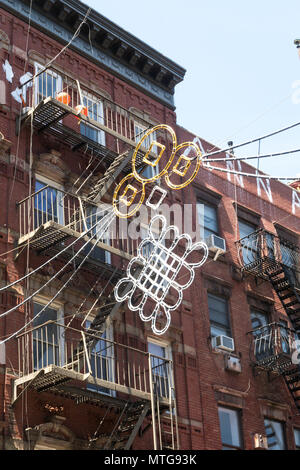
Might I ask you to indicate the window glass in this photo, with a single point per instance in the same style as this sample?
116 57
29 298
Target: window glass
219 316
297 438
275 434
262 332
48 83
45 338
48 205
94 216
102 361
94 111
249 244
139 130
246 228
160 368
230 428
208 219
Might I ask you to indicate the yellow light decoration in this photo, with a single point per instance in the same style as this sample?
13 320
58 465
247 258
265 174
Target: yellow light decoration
177 169
188 162
123 198
154 143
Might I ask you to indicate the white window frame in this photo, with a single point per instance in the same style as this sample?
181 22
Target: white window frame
232 412
100 114
37 68
106 238
139 130
168 354
60 195
109 335
59 307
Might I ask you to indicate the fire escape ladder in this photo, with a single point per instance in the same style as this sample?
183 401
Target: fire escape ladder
128 425
281 279
113 171
292 380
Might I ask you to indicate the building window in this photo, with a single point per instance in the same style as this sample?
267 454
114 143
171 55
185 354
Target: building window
230 427
297 438
101 355
139 131
275 434
48 204
219 316
93 221
262 332
48 83
95 111
48 340
160 356
249 244
208 219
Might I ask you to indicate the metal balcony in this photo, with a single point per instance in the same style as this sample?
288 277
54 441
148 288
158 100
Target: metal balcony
49 217
80 118
261 252
272 347
52 354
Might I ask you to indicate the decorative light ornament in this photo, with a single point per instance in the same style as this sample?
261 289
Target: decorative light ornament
134 183
155 270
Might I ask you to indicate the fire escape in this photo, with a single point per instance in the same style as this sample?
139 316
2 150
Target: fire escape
273 347
80 363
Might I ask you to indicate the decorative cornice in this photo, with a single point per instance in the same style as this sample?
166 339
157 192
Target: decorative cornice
114 48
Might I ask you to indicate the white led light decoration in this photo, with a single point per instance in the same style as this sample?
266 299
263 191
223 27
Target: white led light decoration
155 270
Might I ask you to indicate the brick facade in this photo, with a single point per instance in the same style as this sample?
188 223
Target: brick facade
202 382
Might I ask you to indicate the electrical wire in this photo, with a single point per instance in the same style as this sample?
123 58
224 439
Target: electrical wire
248 142
61 51
251 157
59 291
110 218
55 256
225 170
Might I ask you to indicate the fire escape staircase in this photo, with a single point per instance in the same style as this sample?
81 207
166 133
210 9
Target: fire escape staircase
271 258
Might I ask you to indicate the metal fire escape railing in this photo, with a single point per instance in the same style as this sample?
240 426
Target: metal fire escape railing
262 251
268 256
80 117
50 355
272 346
275 348
49 216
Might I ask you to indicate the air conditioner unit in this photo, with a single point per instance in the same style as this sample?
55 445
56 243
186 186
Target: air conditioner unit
260 441
216 245
223 342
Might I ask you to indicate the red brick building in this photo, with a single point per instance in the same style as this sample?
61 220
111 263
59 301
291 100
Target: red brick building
79 370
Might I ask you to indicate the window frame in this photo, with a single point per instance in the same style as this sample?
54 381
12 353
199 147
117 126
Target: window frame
59 308
239 430
37 68
283 428
100 117
109 335
59 192
201 201
229 332
297 447
137 137
168 356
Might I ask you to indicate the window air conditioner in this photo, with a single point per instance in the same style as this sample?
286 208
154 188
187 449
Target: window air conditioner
223 342
216 244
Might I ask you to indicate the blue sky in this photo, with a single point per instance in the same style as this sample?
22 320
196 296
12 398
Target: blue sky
243 69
